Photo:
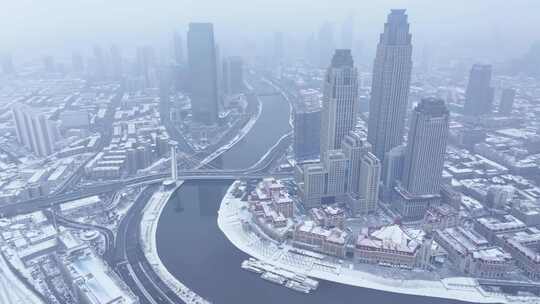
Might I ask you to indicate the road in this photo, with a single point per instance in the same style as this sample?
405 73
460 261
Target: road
257 171
124 252
129 260
107 233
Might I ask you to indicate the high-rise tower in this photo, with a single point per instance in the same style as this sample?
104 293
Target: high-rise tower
354 148
178 48
424 158
390 85
6 61
426 146
233 75
340 98
507 101
370 171
203 72
479 93
34 130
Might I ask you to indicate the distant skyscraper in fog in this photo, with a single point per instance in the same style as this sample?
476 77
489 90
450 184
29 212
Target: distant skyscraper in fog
479 93
278 52
146 65
233 75
310 50
347 33
326 44
507 101
178 48
48 64
7 64
390 85
203 72
34 130
116 62
340 98
77 62
100 65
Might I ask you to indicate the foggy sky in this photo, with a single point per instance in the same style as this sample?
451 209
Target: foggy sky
501 28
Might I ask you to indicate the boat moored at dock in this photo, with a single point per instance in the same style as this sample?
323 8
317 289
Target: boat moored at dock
292 280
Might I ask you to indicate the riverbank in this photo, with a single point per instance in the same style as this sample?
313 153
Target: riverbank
230 215
152 213
148 229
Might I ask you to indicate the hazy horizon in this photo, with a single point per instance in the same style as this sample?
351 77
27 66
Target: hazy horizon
460 28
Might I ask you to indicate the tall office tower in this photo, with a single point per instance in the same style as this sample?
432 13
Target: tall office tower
425 62
219 77
370 171
326 43
507 101
233 75
100 65
354 148
7 64
313 185
34 130
390 85
278 49
116 63
479 93
336 167
340 99
359 51
178 48
424 157
146 65
426 146
307 131
393 168
165 86
77 62
310 50
203 72
48 64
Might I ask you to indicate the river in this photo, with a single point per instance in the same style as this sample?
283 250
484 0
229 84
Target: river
195 251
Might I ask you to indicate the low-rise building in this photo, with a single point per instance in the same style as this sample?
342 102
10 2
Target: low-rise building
492 227
527 211
440 217
523 245
271 208
473 254
93 282
328 216
81 206
308 235
388 245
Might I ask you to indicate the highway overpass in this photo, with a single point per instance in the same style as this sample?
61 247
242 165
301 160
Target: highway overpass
115 185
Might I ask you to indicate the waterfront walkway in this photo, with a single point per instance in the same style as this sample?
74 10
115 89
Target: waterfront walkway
230 218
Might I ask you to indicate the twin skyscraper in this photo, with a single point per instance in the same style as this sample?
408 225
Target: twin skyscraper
351 168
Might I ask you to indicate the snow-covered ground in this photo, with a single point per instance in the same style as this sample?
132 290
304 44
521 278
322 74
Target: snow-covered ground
12 290
151 214
459 288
